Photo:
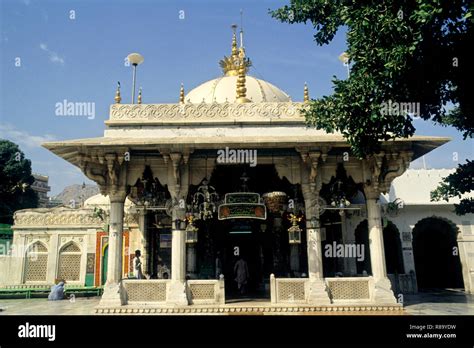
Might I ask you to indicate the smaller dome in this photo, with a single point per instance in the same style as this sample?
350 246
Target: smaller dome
223 89
101 201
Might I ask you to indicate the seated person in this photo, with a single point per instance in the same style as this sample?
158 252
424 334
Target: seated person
57 292
162 271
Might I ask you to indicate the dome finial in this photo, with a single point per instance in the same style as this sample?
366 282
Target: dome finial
230 65
241 89
306 93
118 98
181 94
140 95
241 28
235 52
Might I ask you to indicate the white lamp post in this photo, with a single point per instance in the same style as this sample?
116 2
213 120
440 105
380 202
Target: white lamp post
344 58
134 59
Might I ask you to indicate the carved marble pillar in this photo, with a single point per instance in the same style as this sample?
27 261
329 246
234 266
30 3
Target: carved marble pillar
317 286
383 288
380 169
178 183
177 289
113 291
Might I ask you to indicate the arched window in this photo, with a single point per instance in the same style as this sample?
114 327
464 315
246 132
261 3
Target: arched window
36 263
69 266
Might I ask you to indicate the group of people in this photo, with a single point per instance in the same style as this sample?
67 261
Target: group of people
241 273
137 267
241 270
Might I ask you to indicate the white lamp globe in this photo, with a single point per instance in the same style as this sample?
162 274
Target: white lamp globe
135 58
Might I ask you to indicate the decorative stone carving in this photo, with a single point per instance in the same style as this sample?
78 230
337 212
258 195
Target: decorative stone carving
383 168
33 238
64 217
56 216
209 112
108 169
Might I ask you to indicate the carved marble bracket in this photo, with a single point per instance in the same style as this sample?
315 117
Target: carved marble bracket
178 172
108 169
383 168
310 161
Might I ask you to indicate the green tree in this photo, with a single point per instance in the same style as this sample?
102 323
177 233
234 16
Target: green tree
456 184
406 51
15 181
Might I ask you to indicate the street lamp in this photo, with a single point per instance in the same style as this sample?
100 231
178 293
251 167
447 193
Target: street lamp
344 58
134 59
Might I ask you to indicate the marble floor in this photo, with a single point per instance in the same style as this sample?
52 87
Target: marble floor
440 302
41 306
443 302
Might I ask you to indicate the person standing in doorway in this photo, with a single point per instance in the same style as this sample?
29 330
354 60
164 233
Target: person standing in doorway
137 265
241 272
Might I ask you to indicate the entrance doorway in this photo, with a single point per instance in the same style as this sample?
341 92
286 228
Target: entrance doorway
243 239
105 258
436 254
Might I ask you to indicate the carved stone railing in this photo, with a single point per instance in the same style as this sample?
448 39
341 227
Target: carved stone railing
222 112
146 291
288 290
206 291
350 289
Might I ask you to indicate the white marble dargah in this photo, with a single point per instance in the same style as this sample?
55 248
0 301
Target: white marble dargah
166 151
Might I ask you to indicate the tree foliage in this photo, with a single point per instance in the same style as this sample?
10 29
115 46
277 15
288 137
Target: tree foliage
456 184
406 51
15 181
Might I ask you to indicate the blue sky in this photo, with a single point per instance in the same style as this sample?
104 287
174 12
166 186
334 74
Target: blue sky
82 59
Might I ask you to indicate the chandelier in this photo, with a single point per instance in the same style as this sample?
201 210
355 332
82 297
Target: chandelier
204 204
148 192
275 201
338 197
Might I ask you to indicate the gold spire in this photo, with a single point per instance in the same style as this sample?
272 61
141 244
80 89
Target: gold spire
230 65
235 51
241 89
118 98
181 94
306 93
140 96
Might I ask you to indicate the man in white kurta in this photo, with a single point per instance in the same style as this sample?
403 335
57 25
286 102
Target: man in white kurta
137 265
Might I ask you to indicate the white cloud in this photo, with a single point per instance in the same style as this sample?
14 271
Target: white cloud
54 57
22 138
